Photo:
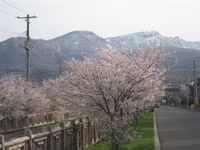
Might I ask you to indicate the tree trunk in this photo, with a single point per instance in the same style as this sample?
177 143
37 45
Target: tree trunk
114 145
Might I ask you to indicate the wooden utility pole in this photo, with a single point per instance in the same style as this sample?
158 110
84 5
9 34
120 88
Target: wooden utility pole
27 45
195 85
60 65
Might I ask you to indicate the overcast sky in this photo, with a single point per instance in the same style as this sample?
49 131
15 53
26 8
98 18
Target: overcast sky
104 17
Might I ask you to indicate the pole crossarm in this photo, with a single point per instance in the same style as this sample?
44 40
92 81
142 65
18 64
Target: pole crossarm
26 17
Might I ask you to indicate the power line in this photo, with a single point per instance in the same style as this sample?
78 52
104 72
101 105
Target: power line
11 32
2 11
8 3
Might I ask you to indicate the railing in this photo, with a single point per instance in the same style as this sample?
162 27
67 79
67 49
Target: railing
8 124
72 135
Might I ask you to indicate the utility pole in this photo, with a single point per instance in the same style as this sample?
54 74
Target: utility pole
60 65
27 44
195 85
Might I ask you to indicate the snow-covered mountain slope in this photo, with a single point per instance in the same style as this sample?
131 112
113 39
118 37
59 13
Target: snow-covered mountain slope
147 39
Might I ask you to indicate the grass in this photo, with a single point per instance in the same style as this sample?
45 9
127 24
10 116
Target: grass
144 140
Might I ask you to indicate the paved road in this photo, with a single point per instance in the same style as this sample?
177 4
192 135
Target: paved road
178 128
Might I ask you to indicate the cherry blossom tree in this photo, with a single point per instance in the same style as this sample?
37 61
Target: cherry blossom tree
110 87
53 90
19 97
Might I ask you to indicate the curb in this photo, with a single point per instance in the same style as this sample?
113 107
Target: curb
156 138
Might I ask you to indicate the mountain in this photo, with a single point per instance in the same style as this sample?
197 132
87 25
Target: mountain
181 53
46 54
13 57
146 39
79 43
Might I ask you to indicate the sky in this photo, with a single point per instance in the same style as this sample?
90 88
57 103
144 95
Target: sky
107 18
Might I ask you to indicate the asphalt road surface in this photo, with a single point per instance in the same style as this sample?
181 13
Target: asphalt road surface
178 128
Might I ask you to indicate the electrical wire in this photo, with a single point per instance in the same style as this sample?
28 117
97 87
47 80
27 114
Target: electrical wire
11 32
4 12
8 3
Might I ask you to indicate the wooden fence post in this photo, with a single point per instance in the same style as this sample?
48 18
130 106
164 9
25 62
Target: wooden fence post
63 135
2 142
50 142
28 133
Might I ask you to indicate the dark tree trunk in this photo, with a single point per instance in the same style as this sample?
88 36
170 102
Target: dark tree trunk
114 144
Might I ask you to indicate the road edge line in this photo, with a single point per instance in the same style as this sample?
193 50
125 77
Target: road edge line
156 137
